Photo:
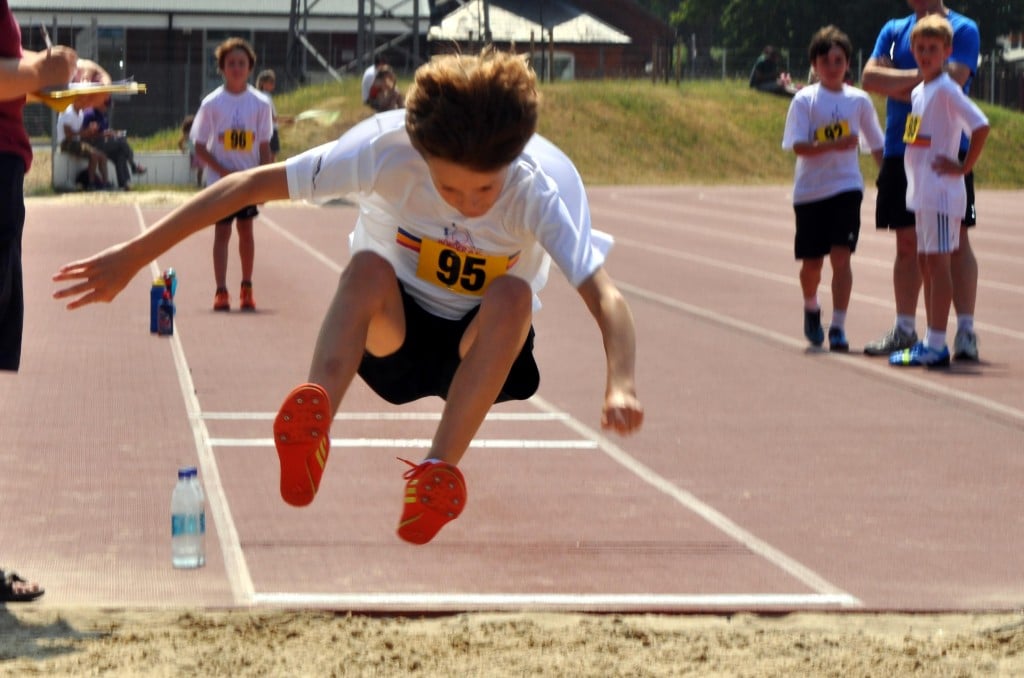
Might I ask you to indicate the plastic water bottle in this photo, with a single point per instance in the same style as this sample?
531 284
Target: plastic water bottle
187 548
198 489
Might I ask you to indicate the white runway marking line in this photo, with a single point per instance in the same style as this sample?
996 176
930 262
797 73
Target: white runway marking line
407 443
235 567
785 563
556 601
875 367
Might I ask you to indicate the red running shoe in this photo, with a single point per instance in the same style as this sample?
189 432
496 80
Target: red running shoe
435 494
302 437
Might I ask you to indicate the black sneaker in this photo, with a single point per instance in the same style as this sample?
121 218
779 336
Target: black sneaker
837 340
813 330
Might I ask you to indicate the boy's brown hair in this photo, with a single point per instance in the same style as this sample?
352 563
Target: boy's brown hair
825 39
225 48
933 26
474 111
265 76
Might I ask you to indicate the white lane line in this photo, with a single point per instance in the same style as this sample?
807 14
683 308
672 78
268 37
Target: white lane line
421 443
875 367
237 569
792 281
387 416
773 555
302 244
556 601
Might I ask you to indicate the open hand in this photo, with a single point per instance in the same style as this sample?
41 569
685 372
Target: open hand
99 278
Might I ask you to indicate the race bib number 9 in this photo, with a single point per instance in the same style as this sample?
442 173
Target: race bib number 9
240 140
836 130
462 272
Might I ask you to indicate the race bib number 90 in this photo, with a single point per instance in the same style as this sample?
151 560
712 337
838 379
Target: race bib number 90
240 140
836 130
463 272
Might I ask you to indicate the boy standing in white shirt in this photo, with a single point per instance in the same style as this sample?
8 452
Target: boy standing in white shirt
936 194
826 123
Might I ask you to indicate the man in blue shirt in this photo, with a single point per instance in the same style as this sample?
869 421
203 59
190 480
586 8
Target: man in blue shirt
892 71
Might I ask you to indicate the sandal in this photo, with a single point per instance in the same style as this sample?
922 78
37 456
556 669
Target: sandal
10 592
301 435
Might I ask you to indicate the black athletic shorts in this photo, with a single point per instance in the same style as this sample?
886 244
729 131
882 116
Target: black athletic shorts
247 212
426 362
824 224
891 205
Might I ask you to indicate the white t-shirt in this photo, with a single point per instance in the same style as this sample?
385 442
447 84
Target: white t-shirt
232 127
73 119
939 113
444 259
820 113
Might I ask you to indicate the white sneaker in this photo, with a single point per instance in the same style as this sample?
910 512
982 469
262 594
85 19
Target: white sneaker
965 346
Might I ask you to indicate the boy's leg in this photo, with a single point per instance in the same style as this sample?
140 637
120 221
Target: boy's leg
435 491
842 288
365 314
940 299
221 240
246 246
489 347
810 278
247 255
964 270
935 240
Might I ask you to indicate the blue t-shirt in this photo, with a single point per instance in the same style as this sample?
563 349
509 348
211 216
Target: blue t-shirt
894 43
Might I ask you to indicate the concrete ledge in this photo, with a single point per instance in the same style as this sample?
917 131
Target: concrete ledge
163 168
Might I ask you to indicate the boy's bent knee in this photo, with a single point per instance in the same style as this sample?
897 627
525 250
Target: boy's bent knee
512 295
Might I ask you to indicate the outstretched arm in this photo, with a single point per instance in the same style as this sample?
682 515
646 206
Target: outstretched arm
622 410
102 276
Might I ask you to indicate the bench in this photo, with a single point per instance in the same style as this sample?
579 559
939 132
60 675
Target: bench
163 168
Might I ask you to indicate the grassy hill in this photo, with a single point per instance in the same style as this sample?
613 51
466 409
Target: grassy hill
635 132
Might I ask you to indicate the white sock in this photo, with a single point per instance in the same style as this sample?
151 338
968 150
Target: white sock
838 319
934 339
965 323
812 304
905 323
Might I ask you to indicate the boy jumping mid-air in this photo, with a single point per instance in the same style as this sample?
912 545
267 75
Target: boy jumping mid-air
462 209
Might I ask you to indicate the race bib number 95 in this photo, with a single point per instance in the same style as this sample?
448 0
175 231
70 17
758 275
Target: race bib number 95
459 271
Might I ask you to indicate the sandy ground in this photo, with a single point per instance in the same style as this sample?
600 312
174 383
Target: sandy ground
36 640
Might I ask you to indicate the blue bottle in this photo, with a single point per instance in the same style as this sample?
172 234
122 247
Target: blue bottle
156 293
165 315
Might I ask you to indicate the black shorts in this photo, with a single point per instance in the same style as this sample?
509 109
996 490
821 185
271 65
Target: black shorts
247 212
891 206
275 142
426 362
828 223
970 216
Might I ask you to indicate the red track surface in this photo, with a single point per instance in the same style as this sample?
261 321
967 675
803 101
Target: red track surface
767 476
